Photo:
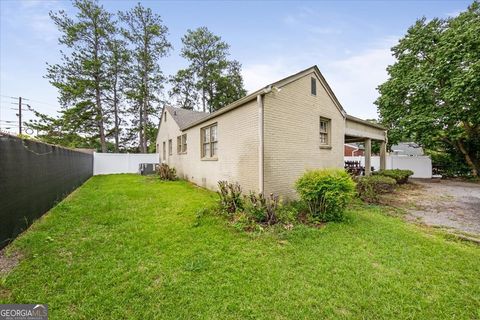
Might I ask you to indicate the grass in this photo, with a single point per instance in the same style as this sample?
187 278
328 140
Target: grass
130 247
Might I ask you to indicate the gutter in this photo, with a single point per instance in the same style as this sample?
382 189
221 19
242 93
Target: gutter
261 139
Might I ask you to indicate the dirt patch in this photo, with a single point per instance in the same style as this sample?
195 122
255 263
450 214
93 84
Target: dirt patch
440 203
8 261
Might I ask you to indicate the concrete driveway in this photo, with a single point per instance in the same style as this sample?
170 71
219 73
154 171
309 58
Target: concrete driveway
443 203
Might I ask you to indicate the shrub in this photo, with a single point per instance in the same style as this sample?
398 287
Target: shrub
230 196
401 176
288 213
262 209
326 192
166 173
370 187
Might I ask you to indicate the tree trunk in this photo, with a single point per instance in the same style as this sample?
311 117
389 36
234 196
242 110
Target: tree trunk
115 110
140 128
144 129
98 100
100 118
470 159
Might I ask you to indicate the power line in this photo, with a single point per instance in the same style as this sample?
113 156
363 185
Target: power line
45 103
56 107
2 95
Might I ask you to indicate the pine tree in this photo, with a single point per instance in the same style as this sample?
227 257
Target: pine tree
118 60
81 77
217 80
147 35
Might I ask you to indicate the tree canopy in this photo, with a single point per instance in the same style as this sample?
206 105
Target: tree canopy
432 95
210 77
81 78
111 86
147 35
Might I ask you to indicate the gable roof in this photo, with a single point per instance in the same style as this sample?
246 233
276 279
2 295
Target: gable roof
184 117
277 84
407 148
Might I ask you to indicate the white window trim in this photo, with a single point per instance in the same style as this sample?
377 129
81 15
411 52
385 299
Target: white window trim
202 132
182 146
328 132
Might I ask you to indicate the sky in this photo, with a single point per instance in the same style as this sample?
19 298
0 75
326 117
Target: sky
349 41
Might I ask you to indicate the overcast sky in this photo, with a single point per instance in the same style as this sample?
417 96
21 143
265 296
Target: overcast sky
350 42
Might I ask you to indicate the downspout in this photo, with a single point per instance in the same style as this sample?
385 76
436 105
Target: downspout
261 139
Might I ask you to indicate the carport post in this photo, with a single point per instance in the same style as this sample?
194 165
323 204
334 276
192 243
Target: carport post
368 155
383 155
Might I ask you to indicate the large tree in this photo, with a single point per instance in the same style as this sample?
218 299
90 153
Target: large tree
81 78
118 60
147 36
432 95
216 79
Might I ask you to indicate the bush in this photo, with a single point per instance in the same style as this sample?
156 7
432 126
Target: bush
370 187
166 173
400 176
230 196
261 209
326 192
288 213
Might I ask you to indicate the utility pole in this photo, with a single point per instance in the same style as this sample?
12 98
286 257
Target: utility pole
19 115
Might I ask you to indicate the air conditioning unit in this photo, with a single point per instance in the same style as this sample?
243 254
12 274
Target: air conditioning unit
146 168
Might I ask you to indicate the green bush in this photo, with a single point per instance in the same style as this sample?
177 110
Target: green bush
326 192
288 213
230 196
401 176
370 187
166 173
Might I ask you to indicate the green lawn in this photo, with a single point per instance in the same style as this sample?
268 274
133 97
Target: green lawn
130 247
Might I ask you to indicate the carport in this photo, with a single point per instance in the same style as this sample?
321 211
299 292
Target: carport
358 130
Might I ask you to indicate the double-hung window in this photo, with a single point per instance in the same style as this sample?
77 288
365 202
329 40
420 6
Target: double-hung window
182 144
170 147
324 131
209 141
164 151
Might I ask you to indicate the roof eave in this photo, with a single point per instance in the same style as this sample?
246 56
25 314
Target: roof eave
355 119
223 110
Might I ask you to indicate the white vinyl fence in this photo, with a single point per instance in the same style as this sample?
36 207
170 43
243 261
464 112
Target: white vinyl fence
110 163
420 165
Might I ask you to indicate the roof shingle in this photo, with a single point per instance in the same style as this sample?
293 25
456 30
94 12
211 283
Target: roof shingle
184 117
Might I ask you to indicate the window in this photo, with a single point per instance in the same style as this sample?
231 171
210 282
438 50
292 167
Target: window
164 150
165 116
313 88
209 141
324 131
182 144
170 147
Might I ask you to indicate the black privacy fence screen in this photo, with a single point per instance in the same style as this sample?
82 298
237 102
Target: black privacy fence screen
34 176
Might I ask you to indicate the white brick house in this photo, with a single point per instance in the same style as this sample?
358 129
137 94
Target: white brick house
265 140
